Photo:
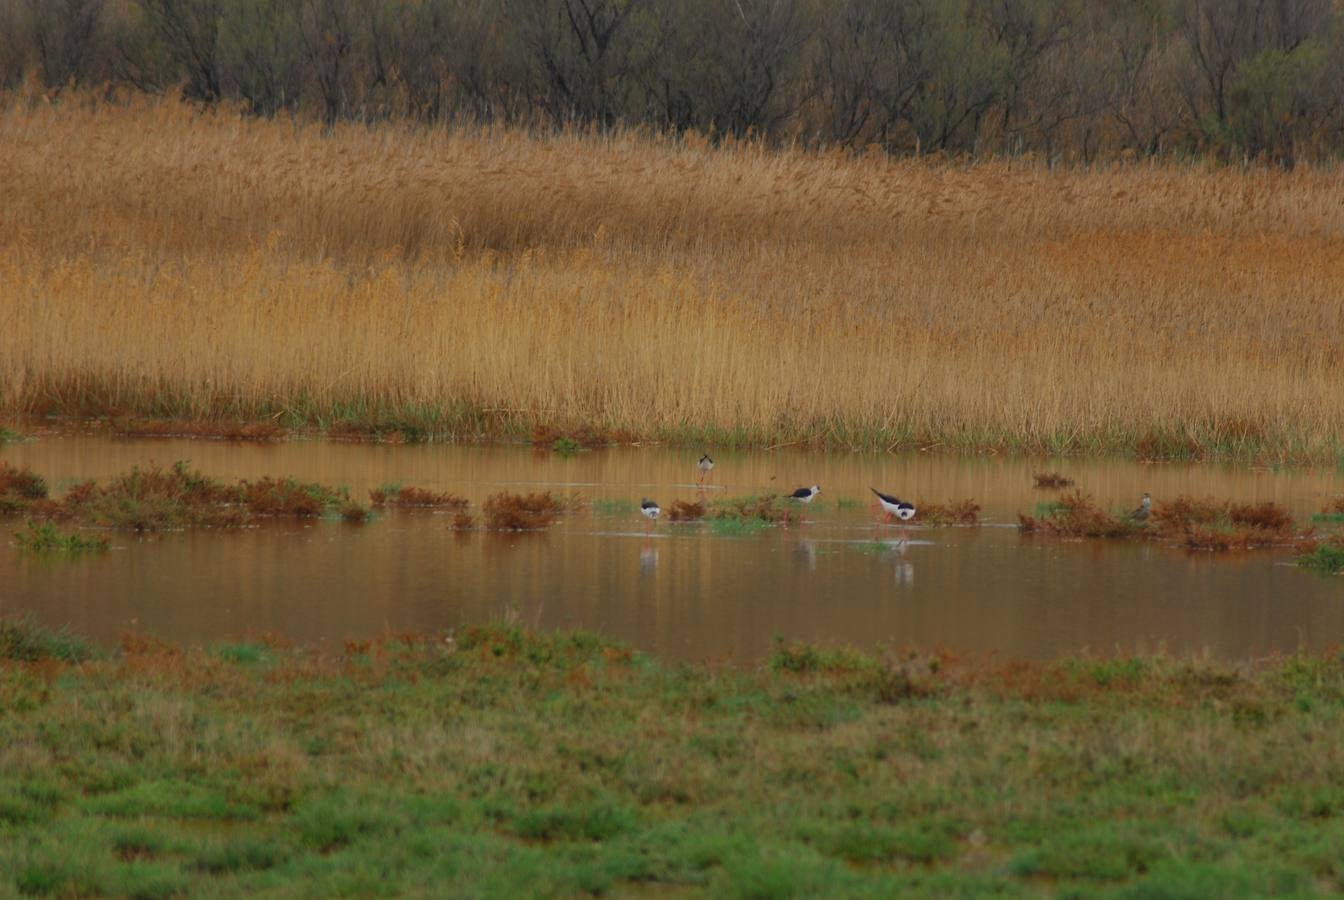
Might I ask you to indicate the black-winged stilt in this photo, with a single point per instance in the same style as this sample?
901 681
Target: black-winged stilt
706 465
894 506
1145 508
804 495
650 511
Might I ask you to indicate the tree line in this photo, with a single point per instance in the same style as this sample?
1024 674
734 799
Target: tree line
1060 79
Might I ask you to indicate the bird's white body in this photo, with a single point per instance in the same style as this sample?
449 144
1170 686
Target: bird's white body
705 463
894 506
1145 508
805 495
650 510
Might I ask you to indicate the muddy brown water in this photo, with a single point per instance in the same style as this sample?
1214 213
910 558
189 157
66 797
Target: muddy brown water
682 591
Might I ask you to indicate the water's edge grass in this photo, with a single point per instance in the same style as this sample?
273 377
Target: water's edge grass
504 763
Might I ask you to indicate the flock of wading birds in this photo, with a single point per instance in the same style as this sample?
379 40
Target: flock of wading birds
892 507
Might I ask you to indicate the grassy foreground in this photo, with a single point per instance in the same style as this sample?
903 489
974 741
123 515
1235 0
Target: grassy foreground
182 264
508 764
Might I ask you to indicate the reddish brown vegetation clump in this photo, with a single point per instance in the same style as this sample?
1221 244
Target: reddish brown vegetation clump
1197 524
413 496
954 512
286 497
519 512
1075 515
681 511
154 499
1210 525
1052 481
463 521
22 491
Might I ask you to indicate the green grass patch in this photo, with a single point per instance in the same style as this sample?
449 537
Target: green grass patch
514 763
610 507
22 640
1327 558
45 537
737 527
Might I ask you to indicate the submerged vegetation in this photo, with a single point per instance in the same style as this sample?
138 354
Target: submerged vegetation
417 282
1052 481
505 762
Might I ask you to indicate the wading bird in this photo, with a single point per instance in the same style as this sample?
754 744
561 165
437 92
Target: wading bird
893 506
804 495
706 466
650 511
1146 507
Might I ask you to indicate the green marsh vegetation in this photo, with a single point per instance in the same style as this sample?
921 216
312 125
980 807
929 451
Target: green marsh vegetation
505 762
45 537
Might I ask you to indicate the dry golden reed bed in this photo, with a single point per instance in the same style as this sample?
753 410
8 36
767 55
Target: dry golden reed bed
158 260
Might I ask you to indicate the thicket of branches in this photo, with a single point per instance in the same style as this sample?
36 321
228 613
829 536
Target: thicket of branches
1065 79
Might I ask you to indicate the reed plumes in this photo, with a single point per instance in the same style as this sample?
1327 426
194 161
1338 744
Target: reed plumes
206 266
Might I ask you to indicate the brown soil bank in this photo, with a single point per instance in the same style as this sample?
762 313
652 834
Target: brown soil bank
167 263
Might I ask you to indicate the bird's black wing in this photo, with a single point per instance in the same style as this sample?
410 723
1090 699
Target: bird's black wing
886 497
802 492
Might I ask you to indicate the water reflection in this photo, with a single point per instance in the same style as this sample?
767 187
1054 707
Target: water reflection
805 554
648 559
692 594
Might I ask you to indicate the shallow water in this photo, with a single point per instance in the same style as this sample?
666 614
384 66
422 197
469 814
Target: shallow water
682 591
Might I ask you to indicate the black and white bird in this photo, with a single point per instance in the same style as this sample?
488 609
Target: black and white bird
894 506
805 495
650 510
706 466
1145 508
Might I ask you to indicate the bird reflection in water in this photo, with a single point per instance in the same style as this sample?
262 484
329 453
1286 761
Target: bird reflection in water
903 569
648 558
805 554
